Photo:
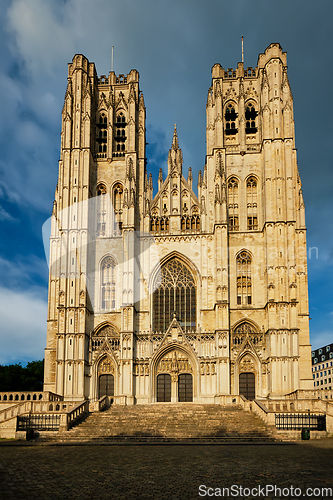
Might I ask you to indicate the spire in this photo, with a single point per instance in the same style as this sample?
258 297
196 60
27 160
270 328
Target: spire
175 157
200 179
205 176
141 101
219 165
301 199
160 179
209 98
190 177
175 145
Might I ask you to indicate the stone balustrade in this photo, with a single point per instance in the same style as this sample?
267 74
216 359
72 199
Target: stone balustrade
267 409
9 396
77 412
101 404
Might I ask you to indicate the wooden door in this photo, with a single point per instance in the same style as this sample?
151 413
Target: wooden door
185 387
164 388
106 385
247 385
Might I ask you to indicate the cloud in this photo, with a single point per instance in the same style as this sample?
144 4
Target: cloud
4 215
41 34
24 272
321 339
23 326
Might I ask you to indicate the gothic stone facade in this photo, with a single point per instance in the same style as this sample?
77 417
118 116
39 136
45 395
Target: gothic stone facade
226 309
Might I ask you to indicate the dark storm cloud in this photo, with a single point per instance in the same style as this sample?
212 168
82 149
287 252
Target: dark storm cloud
173 45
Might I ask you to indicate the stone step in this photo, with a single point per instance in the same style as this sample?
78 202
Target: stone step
166 422
164 440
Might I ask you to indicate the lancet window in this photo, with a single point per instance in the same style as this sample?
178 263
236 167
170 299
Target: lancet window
101 210
102 135
190 223
230 120
233 204
252 206
118 207
108 283
120 135
174 296
250 119
159 224
244 285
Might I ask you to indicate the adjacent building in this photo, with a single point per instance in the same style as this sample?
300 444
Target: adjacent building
322 369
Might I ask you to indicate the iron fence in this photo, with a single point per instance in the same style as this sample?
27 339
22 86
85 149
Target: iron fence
38 422
297 421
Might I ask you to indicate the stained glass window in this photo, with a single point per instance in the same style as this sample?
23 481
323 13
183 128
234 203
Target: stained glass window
175 294
244 294
108 280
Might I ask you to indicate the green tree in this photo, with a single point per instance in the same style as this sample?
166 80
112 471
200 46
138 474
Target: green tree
18 378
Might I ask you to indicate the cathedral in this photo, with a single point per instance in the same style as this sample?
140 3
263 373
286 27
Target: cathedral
191 293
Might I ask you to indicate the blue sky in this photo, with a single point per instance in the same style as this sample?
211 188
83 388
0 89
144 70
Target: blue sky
173 44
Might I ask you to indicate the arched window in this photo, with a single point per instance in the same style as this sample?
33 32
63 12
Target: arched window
120 135
102 135
252 207
243 270
250 118
118 207
175 294
108 281
195 222
230 120
233 204
159 224
101 210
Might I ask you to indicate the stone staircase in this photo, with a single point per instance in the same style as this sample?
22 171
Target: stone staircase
166 422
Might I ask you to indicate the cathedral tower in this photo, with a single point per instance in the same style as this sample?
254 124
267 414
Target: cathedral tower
178 296
99 196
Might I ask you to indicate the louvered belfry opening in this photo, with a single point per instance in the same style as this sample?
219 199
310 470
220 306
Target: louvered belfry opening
174 296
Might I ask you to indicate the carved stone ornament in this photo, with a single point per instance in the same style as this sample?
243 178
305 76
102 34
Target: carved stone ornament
246 365
106 331
174 362
106 366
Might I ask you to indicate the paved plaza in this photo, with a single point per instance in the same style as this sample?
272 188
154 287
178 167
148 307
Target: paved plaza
169 472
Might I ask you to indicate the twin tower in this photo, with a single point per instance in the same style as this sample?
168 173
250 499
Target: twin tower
178 296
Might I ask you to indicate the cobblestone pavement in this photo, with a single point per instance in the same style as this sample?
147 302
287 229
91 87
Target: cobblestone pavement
159 472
